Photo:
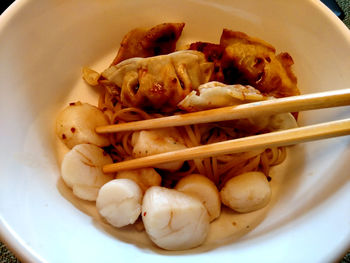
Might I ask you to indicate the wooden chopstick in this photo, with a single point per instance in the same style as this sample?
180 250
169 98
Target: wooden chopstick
273 139
267 107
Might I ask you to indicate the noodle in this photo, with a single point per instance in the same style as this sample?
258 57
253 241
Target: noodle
264 163
126 143
219 169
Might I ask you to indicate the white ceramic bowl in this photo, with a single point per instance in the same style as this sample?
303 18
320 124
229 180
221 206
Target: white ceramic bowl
43 46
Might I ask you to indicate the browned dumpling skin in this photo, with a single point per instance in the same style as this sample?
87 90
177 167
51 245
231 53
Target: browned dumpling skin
159 82
213 53
253 61
241 59
160 39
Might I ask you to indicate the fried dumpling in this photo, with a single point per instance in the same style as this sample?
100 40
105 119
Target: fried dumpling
246 60
140 42
253 61
215 94
159 82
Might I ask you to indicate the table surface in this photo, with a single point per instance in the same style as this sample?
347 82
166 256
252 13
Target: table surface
7 257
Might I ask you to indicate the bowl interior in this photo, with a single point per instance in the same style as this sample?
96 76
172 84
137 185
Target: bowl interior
44 46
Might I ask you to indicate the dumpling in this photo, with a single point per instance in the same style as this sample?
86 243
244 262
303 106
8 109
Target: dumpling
159 82
253 61
140 42
216 94
242 59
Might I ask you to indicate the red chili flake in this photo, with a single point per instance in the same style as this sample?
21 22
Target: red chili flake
63 136
72 130
72 104
144 213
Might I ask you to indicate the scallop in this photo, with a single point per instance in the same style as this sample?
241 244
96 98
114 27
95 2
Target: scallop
246 192
81 170
119 202
202 188
76 125
145 177
158 141
174 220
